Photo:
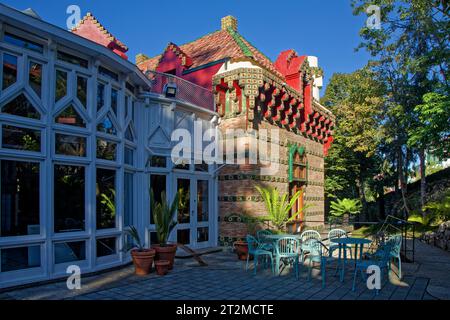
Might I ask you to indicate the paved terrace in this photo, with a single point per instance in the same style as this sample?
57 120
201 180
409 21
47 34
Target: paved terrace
225 279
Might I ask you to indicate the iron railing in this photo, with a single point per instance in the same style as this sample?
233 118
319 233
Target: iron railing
186 91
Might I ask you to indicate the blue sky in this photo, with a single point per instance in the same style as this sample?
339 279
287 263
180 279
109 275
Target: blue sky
324 28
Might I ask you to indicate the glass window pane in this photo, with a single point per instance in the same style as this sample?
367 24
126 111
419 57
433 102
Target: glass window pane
108 73
126 105
35 77
183 236
202 200
129 133
129 156
100 96
158 186
24 43
128 199
21 138
106 150
106 198
9 70
20 106
184 207
70 251
61 85
107 126
19 198
70 116
202 234
82 90
203 167
106 247
114 97
158 161
70 145
69 198
66 57
20 258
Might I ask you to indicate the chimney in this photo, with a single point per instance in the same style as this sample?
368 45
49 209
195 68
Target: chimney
318 79
229 22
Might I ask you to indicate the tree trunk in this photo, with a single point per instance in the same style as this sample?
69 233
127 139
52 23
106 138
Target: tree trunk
423 181
401 178
362 193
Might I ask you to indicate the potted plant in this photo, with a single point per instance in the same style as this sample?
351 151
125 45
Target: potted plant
279 207
162 267
344 208
142 257
164 216
241 246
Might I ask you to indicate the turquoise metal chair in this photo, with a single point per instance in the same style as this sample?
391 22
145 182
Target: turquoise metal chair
380 258
261 236
306 239
396 242
256 250
287 251
333 234
316 255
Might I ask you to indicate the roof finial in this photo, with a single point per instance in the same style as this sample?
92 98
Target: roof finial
229 22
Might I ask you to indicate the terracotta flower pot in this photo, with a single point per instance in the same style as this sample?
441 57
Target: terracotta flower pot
241 248
166 253
162 267
143 261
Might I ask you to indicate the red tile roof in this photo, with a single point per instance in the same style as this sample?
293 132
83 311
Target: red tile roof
216 46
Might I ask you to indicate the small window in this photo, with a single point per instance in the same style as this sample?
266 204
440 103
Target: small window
61 85
106 199
158 161
106 247
202 234
20 258
21 138
129 133
100 96
107 126
129 156
69 145
108 73
69 198
9 70
35 77
114 97
70 251
128 199
82 90
70 116
22 107
24 43
66 57
130 87
106 150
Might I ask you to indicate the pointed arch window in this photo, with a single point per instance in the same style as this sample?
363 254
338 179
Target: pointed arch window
70 116
129 132
22 107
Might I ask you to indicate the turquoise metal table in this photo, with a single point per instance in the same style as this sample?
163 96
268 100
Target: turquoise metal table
343 243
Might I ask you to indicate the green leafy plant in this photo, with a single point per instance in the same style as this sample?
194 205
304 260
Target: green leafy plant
435 212
136 243
279 207
345 206
164 216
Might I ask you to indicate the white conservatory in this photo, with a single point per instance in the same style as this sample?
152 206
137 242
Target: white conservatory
84 135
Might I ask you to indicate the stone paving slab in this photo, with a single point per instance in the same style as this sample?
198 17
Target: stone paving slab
225 279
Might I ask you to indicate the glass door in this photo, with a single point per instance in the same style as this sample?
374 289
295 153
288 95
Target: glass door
193 216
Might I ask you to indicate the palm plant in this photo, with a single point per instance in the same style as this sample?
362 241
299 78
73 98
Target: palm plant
279 207
345 206
137 243
164 216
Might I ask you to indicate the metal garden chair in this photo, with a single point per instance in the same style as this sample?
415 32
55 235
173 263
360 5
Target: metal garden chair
396 242
316 255
333 234
287 251
261 236
256 250
306 237
380 258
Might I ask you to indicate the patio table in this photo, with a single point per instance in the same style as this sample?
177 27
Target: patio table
343 242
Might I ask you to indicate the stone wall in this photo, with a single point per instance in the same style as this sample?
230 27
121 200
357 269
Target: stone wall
237 193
